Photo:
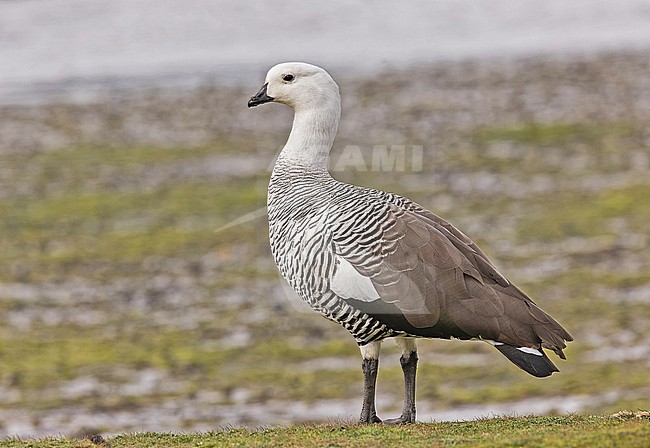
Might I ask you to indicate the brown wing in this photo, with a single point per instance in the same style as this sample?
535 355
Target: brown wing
434 274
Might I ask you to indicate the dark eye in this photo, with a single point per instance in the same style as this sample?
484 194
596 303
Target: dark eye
288 77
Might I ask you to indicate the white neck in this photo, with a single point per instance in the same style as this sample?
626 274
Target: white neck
312 136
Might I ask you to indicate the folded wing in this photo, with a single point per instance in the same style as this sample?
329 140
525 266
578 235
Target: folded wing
414 263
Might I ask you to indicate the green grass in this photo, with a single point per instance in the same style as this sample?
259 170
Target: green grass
555 134
81 215
49 356
561 216
62 233
628 430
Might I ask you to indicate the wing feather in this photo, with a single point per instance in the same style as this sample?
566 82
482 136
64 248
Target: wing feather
433 273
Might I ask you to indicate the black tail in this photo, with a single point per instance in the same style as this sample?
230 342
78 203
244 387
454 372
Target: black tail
531 360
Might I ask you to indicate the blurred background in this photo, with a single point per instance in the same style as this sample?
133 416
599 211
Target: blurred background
125 144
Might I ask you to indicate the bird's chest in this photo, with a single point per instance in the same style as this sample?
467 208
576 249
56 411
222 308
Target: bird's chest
301 241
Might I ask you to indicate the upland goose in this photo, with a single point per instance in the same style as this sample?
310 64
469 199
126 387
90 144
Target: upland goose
379 264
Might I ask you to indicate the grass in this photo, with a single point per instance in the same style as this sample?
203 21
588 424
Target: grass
161 291
585 215
555 134
628 429
61 233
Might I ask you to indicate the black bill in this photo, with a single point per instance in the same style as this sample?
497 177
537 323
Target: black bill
260 97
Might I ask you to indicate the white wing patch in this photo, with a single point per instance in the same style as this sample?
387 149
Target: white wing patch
529 350
349 284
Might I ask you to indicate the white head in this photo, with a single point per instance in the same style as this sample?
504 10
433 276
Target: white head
298 85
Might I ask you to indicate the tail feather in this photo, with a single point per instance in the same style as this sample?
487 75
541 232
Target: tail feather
531 360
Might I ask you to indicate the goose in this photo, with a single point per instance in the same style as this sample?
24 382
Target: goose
379 264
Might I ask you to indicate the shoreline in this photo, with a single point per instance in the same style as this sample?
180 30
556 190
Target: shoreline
448 97
87 89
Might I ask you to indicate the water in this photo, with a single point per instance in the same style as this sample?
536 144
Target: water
63 48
